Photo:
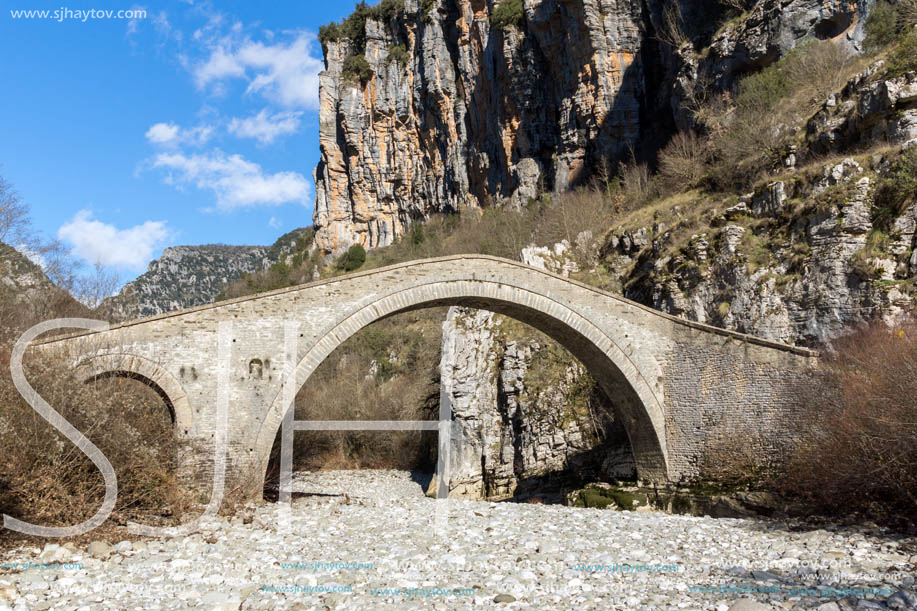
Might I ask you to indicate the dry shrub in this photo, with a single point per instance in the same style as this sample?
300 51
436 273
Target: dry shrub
683 161
672 31
858 451
44 478
636 182
581 218
503 231
734 458
748 137
47 480
819 68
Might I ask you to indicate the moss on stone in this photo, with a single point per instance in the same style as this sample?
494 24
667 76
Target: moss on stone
681 504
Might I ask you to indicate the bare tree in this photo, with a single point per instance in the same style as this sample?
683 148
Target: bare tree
94 288
857 449
671 32
14 215
739 5
683 161
636 183
819 68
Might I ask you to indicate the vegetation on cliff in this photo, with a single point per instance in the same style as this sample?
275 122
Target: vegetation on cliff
353 28
507 13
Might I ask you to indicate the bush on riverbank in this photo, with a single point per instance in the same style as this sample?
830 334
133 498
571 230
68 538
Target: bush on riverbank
857 453
47 480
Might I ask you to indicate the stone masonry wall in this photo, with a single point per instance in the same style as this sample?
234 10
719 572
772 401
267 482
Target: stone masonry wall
661 369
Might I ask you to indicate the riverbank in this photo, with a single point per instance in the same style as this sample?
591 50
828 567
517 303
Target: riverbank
361 539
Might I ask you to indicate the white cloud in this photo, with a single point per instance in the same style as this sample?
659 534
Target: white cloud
222 64
238 183
275 223
284 73
98 242
170 134
162 133
265 128
164 27
133 24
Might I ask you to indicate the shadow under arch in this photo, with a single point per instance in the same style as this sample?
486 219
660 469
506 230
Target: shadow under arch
635 402
147 372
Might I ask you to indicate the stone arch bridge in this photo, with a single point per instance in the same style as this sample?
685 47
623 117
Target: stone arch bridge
686 392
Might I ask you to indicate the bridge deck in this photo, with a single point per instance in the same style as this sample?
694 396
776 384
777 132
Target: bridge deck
420 262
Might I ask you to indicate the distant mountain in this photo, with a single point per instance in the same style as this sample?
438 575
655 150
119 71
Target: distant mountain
187 276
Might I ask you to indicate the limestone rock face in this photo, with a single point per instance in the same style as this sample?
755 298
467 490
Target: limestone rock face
867 110
520 409
459 112
21 279
802 272
27 295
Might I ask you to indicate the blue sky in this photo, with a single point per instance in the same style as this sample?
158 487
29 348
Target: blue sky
195 124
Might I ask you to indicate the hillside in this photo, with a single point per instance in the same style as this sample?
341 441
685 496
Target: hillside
28 296
20 278
187 276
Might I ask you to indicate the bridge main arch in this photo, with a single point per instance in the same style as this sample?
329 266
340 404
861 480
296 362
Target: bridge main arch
598 349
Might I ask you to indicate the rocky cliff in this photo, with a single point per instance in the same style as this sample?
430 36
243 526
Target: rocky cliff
801 262
809 253
439 105
524 411
186 276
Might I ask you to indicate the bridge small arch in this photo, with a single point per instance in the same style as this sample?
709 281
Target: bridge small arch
146 372
635 400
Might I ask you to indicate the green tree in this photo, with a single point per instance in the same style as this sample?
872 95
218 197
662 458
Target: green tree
903 58
357 69
881 27
507 13
353 259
